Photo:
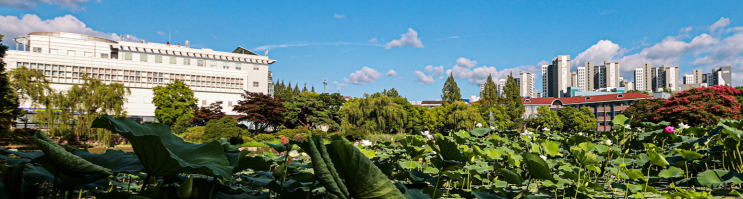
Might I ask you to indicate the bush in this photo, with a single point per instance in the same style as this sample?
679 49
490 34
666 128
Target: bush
264 137
222 128
247 139
181 126
290 133
354 134
193 134
319 132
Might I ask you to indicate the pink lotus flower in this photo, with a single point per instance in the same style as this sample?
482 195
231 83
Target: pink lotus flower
670 129
356 143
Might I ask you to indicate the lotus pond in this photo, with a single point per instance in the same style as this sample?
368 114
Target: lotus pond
651 161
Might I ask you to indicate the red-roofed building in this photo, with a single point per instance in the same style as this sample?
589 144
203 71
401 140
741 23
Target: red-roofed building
605 107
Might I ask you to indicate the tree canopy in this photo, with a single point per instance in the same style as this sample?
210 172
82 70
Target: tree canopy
546 118
450 92
644 110
8 97
701 106
173 101
577 119
306 110
261 109
489 94
202 115
512 100
373 115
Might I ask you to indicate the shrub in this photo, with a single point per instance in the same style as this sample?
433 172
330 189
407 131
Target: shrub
319 132
701 106
247 139
222 128
264 137
290 133
193 134
354 134
181 126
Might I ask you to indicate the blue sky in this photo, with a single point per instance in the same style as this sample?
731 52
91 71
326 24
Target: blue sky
352 44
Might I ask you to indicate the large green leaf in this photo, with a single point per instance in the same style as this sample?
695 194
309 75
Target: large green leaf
586 157
162 153
479 132
510 176
13 180
446 148
243 161
551 147
537 167
324 168
63 161
672 172
116 160
363 178
619 121
689 154
718 177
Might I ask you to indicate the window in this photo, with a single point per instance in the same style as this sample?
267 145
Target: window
71 52
104 55
226 65
33 65
203 102
158 59
61 73
255 84
214 64
143 57
128 56
61 68
48 67
54 51
600 114
229 103
238 66
173 60
255 67
186 61
88 54
37 49
200 62
55 67
137 74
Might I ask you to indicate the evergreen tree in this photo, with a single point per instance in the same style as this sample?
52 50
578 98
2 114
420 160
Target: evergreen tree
296 89
512 100
450 92
8 98
391 93
489 94
305 88
313 89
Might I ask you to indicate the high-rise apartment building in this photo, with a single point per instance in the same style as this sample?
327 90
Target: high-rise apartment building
574 79
722 76
501 85
581 79
647 69
213 75
611 74
545 80
639 83
665 77
526 83
688 79
558 76
590 76
697 77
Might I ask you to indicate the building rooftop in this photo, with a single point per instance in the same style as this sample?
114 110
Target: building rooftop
585 99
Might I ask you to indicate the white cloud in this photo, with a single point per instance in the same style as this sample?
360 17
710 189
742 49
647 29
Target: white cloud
543 62
719 24
729 48
160 32
373 40
466 69
363 76
408 39
339 16
391 73
338 85
603 50
423 78
462 68
30 4
13 26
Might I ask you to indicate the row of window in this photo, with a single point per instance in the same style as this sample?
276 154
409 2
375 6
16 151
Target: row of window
53 70
69 52
187 61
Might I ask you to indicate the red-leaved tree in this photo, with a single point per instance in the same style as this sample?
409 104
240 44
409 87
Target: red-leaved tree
701 106
202 115
261 109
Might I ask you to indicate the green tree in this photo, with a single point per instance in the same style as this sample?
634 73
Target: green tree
637 91
545 118
8 98
226 127
373 115
512 100
644 111
450 92
261 109
391 93
306 110
497 117
461 116
433 119
489 94
173 101
333 102
577 119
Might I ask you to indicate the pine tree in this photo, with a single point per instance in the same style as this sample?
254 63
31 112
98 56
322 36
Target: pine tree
305 88
450 92
313 89
8 98
296 89
513 100
489 94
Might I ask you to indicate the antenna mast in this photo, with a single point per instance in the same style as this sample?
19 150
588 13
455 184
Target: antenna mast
324 85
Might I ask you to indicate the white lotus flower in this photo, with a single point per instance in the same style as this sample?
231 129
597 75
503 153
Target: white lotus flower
627 126
366 143
479 125
683 126
427 134
492 128
434 152
543 157
608 142
294 153
580 133
526 133
546 129
304 154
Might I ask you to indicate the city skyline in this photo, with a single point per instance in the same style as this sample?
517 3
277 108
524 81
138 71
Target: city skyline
364 48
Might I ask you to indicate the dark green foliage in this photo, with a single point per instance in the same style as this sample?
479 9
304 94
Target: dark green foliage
373 115
512 100
489 95
391 93
450 92
577 119
306 110
637 91
644 111
173 102
8 98
265 137
222 128
181 126
546 118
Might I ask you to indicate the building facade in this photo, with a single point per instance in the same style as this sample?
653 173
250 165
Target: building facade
140 66
688 79
604 107
722 76
526 83
558 76
639 79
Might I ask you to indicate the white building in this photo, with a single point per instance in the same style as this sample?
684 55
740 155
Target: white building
526 84
688 79
140 66
582 78
639 80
